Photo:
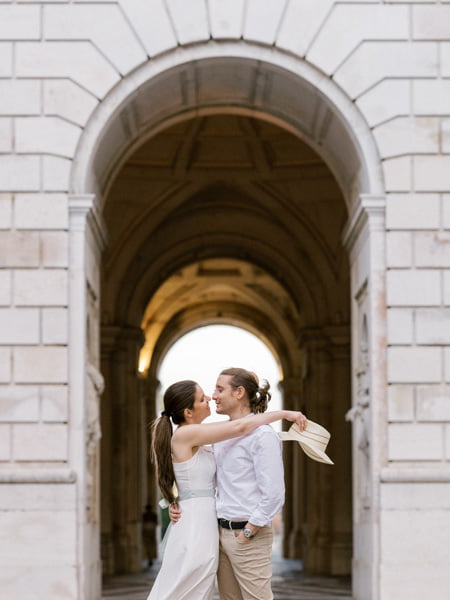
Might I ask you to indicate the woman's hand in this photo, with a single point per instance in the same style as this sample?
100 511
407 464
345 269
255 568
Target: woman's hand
298 417
174 513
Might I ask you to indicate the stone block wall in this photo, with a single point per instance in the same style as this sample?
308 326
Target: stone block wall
38 530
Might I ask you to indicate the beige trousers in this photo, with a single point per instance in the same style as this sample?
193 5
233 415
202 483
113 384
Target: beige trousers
245 569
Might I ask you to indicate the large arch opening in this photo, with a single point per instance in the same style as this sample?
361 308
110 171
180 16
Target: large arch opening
225 184
251 237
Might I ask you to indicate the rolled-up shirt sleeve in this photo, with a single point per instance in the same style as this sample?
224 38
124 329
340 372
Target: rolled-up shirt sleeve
268 465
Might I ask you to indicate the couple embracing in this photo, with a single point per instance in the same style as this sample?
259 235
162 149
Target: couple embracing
230 485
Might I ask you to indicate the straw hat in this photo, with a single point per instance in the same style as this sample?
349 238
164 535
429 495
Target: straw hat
313 440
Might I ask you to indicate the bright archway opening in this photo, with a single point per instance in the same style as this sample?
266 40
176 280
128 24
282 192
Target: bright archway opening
202 353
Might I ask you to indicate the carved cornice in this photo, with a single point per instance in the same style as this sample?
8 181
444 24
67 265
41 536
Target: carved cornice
79 207
367 216
83 212
415 475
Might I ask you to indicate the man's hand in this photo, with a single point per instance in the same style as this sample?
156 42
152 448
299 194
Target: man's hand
241 538
174 513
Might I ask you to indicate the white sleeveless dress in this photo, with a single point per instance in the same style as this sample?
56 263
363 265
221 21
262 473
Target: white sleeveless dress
190 558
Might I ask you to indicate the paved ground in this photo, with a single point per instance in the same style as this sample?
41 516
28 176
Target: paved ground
289 583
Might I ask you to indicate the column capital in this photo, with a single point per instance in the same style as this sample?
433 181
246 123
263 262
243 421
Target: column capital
83 213
114 337
291 384
338 335
79 207
109 335
131 334
368 215
292 387
312 337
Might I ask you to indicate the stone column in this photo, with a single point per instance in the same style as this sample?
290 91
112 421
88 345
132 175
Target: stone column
150 490
340 549
326 493
86 242
364 239
317 498
151 387
294 507
124 476
109 334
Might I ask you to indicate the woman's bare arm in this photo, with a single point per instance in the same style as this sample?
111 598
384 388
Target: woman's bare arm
191 436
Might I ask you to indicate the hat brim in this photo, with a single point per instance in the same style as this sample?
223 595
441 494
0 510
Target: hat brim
316 455
295 434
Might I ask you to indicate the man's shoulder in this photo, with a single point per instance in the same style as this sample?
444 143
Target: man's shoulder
264 431
261 433
266 428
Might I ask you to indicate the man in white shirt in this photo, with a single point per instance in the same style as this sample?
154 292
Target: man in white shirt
250 491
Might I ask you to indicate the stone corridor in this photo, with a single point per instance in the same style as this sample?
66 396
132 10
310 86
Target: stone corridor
289 583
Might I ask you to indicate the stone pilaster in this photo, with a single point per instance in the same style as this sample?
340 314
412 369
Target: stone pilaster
340 448
86 241
364 239
150 386
326 490
294 509
123 466
108 344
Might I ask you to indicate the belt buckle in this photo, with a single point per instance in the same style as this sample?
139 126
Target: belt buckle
226 523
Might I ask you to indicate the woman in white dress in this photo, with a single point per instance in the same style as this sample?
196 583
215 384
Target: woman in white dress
183 458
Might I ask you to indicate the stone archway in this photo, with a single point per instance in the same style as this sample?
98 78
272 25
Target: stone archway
237 76
114 136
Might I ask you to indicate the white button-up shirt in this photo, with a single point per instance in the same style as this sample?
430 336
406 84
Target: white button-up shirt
250 477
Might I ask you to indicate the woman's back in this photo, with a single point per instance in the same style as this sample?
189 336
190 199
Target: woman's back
197 473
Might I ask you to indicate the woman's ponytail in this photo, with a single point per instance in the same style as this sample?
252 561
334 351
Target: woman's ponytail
177 398
161 454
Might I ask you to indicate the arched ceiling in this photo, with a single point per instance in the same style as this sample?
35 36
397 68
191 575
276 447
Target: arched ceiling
294 97
220 290
225 218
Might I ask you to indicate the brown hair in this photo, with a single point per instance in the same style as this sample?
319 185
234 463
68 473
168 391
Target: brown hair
258 397
177 398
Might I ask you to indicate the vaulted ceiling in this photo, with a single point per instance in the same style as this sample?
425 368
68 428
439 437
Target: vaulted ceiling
225 218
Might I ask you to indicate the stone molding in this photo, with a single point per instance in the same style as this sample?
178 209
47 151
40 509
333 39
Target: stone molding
415 475
38 476
370 210
83 211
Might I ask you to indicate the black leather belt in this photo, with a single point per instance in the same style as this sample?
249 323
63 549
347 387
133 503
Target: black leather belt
231 524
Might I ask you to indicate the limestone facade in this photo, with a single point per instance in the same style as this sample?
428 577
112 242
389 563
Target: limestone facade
283 166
